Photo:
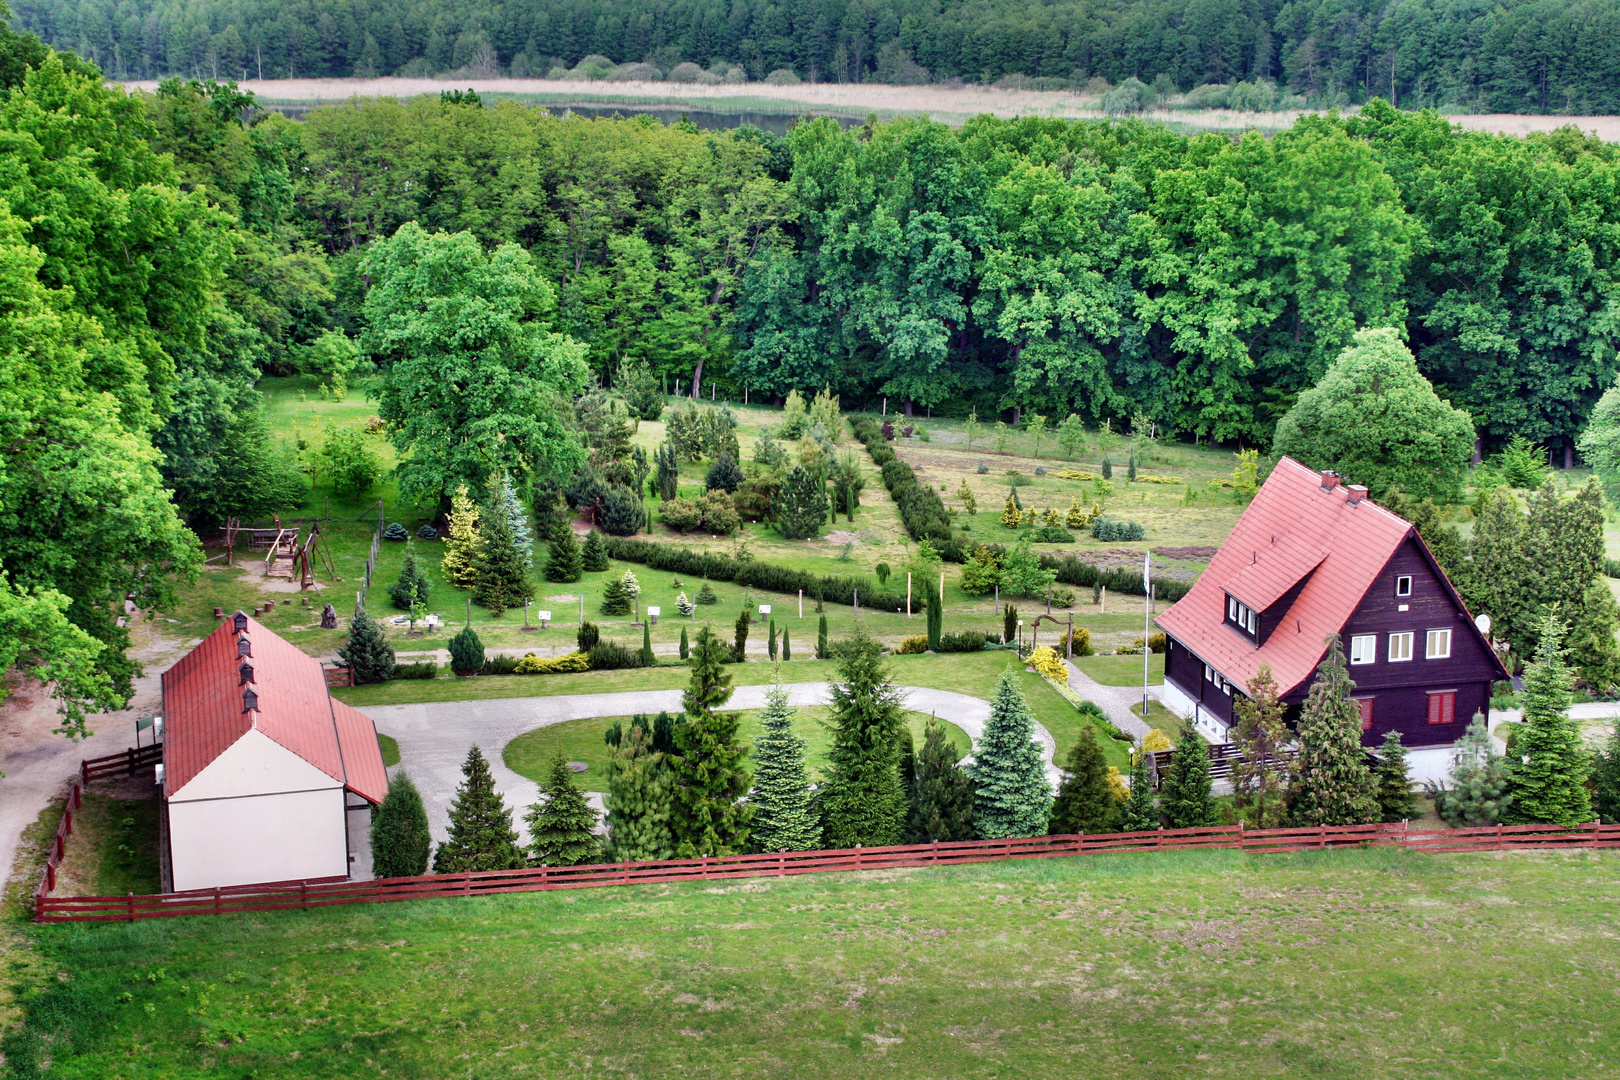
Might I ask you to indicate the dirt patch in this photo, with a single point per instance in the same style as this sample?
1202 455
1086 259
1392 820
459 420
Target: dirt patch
842 536
1193 553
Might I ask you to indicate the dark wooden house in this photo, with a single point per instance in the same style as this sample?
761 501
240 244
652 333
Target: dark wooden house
1311 558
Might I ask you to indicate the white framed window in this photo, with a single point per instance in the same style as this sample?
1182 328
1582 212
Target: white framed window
1363 648
1209 673
1400 646
1403 585
1241 615
1437 644
1231 608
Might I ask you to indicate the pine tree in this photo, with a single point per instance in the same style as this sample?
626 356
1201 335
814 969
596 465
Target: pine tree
1260 777
822 652
615 598
935 612
646 644
684 647
787 647
587 636
800 505
400 843
1477 792
1085 800
367 652
1606 780
1185 793
739 647
481 833
784 819
594 558
705 595
412 586
905 758
461 545
1395 799
1331 783
1009 624
1108 468
1139 811
466 652
1549 764
861 800
640 800
1011 796
566 563
669 471
942 799
500 570
709 772
562 825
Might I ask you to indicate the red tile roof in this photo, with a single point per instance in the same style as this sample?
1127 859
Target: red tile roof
203 711
1292 527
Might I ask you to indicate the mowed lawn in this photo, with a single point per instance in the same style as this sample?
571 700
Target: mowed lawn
1359 964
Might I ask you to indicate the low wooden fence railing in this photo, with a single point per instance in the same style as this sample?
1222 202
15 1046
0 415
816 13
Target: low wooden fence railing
128 763
309 894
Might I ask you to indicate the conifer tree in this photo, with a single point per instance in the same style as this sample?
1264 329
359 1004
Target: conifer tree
517 518
1394 782
822 652
562 825
1548 765
367 652
400 843
1498 580
566 562
787 647
615 598
640 800
739 647
1139 811
1009 624
905 758
784 819
1012 515
481 833
466 652
1011 796
942 799
587 635
594 557
461 545
800 505
1130 470
1331 782
770 642
685 649
709 772
1185 793
500 570
1606 780
861 800
412 586
1477 791
1260 777
1085 799
935 612
646 643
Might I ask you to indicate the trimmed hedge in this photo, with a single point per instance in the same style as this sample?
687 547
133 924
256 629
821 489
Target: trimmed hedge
425 670
963 641
553 665
755 574
499 665
611 656
921 510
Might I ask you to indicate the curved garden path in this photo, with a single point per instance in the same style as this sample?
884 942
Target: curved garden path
434 737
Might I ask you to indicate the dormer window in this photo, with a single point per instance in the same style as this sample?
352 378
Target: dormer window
1242 616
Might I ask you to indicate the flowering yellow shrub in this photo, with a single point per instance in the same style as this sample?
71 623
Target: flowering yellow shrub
553 665
1046 661
1156 740
909 646
1116 784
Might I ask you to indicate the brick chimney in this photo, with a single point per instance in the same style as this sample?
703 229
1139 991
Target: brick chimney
1357 493
1330 479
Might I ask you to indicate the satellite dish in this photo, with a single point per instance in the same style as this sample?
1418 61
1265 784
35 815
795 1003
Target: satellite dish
1483 621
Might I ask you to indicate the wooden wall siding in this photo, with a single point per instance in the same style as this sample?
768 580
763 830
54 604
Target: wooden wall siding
1188 672
1400 701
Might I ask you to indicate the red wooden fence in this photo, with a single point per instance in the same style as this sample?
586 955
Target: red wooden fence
309 894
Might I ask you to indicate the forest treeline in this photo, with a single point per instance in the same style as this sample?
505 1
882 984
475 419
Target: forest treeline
1513 56
160 252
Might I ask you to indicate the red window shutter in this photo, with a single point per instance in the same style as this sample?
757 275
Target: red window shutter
1365 705
1449 708
1443 708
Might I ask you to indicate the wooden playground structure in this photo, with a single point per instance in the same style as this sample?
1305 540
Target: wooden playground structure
285 554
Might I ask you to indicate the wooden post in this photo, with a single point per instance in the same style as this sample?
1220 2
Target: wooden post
908 594
1102 607
129 905
801 603
1068 649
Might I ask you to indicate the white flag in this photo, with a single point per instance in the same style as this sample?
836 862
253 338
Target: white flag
1147 586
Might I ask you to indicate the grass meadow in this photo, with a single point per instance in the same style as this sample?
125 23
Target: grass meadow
1357 964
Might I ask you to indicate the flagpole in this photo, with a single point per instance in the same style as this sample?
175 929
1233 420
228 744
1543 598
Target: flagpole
1147 626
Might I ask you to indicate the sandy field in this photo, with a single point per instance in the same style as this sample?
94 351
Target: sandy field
947 104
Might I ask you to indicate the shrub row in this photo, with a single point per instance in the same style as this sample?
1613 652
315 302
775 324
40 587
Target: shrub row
554 665
921 510
753 573
426 670
611 656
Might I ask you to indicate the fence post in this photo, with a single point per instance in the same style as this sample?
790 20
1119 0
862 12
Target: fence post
1321 836
129 759
129 900
1158 841
1498 834
303 894
216 900
857 856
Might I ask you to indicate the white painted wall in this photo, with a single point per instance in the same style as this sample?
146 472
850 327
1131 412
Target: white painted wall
258 812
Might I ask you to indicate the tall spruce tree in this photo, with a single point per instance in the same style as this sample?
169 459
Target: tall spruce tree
942 792
481 834
517 518
862 801
784 819
709 768
640 800
500 569
1260 776
562 825
1394 781
593 555
1476 794
1549 764
566 563
400 843
905 759
1139 811
367 652
1011 795
1185 793
1606 780
1331 782
1499 579
412 586
1085 800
